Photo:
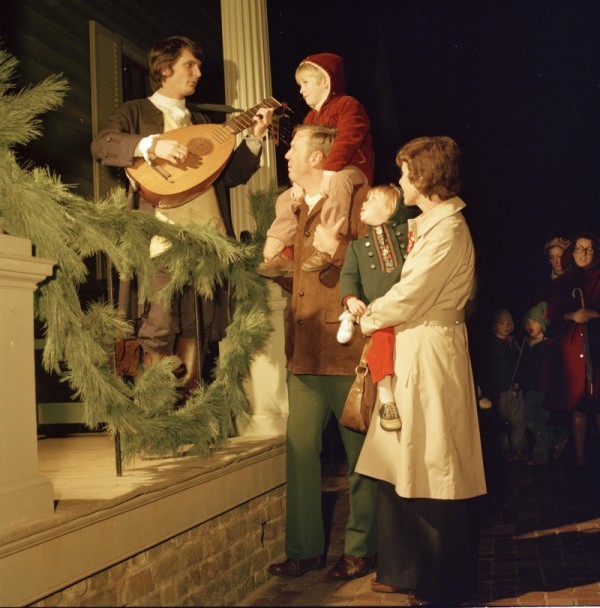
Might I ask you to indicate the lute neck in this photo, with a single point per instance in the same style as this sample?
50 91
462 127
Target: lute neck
244 120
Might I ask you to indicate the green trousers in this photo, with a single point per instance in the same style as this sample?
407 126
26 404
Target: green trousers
312 400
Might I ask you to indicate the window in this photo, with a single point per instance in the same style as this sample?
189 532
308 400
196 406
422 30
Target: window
117 72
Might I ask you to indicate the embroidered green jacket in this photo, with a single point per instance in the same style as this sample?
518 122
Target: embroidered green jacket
364 273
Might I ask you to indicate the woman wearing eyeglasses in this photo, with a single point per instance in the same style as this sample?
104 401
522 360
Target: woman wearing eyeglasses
573 367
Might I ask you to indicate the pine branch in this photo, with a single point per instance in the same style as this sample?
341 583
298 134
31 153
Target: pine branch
64 227
18 113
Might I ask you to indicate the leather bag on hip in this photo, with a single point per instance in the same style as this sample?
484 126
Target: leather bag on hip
358 409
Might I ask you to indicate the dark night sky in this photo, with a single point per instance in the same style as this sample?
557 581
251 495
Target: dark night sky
516 83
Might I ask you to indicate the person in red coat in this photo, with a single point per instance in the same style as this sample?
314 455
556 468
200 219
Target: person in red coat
322 85
573 366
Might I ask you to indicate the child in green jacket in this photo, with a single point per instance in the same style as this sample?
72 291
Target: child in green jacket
372 265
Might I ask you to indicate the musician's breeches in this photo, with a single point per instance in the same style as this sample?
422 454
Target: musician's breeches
160 327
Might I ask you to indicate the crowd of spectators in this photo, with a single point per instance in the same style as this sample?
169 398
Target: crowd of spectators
538 376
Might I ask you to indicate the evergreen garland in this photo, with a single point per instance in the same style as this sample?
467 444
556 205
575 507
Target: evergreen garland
79 344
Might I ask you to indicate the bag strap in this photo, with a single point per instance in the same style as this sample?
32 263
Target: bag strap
518 360
365 350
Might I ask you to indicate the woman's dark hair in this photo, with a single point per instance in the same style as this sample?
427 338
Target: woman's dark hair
165 53
434 165
567 262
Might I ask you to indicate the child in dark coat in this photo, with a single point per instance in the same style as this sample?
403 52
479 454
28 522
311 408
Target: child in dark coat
501 386
531 380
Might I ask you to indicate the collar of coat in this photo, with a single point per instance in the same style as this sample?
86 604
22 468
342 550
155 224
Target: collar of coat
423 223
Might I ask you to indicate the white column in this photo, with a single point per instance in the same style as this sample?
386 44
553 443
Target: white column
24 493
247 82
266 388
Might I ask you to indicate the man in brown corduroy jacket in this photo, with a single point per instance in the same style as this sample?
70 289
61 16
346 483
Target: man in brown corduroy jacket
321 371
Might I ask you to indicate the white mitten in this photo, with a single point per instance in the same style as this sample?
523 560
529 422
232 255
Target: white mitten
484 402
346 329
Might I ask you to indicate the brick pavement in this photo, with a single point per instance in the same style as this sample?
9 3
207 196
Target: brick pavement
539 544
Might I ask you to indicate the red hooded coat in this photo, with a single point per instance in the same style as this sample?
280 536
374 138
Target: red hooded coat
353 144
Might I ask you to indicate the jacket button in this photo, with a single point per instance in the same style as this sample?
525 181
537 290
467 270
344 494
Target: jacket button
301 294
373 266
306 233
300 321
402 245
108 138
367 244
371 254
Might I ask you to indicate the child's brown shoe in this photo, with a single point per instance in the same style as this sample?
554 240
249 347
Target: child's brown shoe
279 266
317 261
389 417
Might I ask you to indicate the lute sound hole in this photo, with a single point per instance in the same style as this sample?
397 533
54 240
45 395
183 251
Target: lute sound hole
201 146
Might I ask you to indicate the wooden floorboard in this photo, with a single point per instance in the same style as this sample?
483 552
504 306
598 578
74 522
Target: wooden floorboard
83 467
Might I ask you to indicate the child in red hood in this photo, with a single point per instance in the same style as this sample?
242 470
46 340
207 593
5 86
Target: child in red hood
349 164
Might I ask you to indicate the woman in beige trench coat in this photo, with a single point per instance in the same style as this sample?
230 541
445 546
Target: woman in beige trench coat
430 468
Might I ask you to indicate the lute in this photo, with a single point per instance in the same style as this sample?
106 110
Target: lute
210 145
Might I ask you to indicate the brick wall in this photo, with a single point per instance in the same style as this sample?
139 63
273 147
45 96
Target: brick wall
214 564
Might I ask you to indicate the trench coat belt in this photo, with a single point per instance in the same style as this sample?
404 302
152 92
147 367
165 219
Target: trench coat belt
440 318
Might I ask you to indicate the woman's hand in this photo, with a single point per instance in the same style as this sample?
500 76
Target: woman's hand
583 315
590 314
364 331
